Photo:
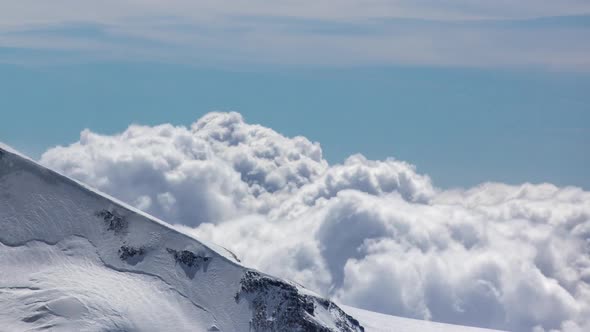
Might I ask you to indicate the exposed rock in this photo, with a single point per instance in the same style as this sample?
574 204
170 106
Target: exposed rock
113 220
131 254
187 258
189 261
279 305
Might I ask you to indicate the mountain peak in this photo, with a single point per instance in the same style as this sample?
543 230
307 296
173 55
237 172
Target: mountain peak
74 258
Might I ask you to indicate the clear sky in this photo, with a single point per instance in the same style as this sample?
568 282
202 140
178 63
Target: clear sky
469 93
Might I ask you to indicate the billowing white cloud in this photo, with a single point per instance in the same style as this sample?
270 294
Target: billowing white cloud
374 234
218 169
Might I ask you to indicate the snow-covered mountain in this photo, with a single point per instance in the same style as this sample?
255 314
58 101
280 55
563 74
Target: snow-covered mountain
74 259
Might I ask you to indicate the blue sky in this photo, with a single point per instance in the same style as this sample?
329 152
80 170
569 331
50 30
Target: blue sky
468 91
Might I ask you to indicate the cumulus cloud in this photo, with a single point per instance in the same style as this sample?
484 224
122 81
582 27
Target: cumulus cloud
373 234
218 169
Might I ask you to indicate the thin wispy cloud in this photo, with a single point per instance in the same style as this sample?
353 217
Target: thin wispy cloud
544 34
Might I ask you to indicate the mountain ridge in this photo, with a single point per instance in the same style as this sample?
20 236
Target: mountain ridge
43 209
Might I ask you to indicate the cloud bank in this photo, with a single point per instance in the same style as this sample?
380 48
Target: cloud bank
373 234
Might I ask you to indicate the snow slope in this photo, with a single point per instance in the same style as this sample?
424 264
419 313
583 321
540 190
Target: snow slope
376 322
74 259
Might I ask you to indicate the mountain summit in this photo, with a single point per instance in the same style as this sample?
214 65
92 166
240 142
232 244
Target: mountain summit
72 258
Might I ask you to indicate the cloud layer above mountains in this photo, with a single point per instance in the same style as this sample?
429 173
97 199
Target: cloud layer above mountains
372 234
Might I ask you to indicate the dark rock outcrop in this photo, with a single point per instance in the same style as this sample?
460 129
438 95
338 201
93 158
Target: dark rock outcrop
113 220
279 305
